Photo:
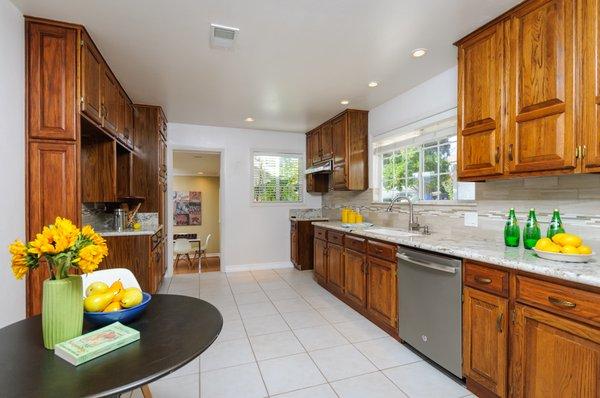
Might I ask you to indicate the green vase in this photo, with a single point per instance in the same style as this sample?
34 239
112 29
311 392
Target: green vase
62 310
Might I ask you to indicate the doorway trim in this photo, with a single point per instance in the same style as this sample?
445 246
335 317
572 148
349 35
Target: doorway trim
222 187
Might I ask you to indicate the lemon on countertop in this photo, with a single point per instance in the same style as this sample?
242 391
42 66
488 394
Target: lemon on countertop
569 249
583 249
543 243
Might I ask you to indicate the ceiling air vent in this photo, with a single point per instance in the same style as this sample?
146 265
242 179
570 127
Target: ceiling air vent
222 36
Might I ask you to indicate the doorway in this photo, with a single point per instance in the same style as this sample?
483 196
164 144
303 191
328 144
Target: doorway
196 185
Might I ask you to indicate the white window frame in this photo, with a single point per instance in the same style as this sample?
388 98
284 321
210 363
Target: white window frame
411 135
301 179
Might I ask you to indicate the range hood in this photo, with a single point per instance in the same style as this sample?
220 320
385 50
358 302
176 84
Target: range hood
320 168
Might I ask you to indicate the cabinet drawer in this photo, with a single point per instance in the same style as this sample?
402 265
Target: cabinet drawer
355 243
569 301
382 250
335 237
320 233
486 278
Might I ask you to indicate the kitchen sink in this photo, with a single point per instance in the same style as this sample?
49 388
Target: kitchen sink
391 232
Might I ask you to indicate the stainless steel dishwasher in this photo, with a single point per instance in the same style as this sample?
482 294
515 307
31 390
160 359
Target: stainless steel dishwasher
429 306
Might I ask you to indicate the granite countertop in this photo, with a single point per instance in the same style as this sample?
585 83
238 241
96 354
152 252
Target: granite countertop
488 247
309 219
130 232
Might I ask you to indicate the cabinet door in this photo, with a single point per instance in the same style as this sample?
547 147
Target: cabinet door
52 192
320 261
382 299
91 69
541 132
339 134
355 276
309 149
335 268
51 79
315 143
591 87
294 243
553 357
110 107
480 104
128 123
485 339
326 141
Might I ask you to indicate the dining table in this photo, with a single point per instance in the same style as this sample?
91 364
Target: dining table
174 330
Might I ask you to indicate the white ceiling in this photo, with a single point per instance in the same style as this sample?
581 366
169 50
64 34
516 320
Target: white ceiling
192 163
294 61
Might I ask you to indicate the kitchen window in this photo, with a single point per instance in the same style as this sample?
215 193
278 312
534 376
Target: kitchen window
420 162
277 178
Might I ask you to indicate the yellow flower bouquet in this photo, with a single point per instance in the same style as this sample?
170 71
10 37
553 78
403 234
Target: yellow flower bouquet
63 245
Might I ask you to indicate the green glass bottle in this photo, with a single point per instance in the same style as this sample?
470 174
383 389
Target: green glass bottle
512 232
531 232
555 226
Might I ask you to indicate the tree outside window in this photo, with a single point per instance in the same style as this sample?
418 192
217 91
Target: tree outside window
422 172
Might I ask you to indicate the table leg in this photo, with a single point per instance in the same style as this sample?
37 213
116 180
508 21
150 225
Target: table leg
146 391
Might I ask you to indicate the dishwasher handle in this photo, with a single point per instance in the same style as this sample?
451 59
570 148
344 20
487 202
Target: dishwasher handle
437 267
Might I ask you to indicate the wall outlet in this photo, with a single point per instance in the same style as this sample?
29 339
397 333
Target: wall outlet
471 219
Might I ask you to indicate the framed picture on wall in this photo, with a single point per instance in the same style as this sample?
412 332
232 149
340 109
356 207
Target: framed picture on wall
187 208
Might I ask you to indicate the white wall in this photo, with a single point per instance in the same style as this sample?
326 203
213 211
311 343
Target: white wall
251 235
433 96
12 153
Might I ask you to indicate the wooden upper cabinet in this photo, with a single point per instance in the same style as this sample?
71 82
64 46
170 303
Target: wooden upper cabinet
315 145
382 299
485 339
339 134
91 69
591 87
110 101
326 141
480 94
541 87
553 357
52 81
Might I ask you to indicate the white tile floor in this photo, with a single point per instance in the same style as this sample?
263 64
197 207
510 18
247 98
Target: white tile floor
285 336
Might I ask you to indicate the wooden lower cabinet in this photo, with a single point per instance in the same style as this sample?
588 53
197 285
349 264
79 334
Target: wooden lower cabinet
302 234
320 260
485 339
382 290
553 356
335 268
355 277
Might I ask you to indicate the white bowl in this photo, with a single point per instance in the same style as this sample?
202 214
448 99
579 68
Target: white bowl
568 258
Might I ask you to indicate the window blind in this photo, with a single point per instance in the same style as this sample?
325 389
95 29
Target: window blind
276 178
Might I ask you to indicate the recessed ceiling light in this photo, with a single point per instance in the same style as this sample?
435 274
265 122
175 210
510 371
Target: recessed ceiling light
419 52
373 84
249 119
200 172
344 102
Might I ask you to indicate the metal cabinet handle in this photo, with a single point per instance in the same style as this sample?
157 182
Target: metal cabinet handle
561 303
510 152
437 267
499 322
483 281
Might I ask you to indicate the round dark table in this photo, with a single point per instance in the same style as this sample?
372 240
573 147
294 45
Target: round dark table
173 331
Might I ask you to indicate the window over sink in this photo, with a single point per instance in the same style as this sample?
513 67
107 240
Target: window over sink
277 178
419 161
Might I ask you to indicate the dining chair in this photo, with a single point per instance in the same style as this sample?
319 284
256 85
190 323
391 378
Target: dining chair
182 247
201 253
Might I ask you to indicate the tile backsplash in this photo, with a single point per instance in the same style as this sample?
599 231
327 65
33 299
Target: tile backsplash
576 196
100 217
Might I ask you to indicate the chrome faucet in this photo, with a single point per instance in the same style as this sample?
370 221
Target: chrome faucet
413 224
